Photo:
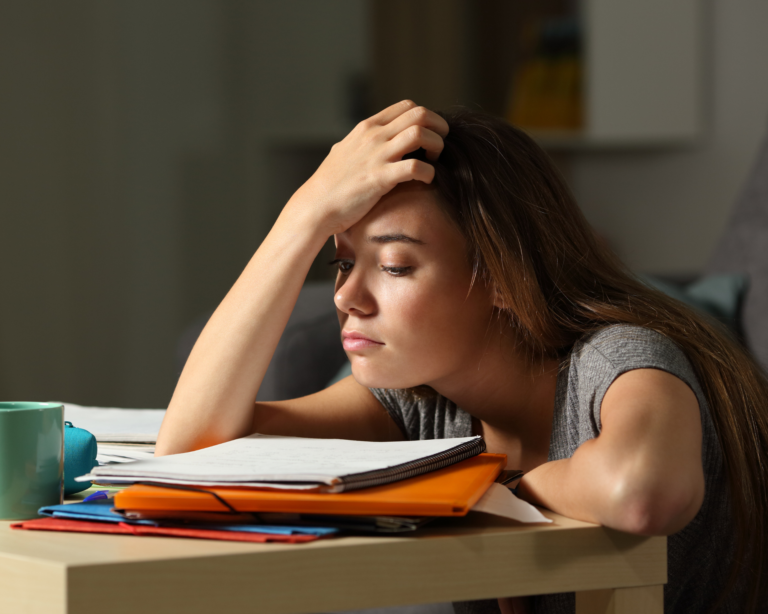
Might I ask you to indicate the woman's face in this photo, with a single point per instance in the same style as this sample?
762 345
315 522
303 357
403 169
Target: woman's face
408 311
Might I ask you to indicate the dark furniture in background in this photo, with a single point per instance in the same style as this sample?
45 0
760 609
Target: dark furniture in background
743 248
309 353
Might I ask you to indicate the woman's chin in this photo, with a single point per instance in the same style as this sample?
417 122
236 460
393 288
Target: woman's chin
376 378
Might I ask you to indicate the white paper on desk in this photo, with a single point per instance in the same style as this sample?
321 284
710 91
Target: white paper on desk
116 453
269 458
112 424
500 501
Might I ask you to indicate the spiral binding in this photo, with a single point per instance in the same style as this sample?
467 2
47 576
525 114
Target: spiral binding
410 469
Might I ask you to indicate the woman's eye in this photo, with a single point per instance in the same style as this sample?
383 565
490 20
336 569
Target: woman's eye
345 266
397 271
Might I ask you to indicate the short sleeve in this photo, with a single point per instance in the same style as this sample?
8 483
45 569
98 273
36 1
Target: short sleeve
613 351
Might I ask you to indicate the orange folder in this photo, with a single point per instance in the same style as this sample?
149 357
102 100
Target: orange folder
451 491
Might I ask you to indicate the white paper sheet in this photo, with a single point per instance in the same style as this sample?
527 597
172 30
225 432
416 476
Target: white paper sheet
500 501
260 458
116 453
112 424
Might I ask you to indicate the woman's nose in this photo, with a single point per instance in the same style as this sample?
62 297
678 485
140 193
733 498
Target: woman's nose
353 297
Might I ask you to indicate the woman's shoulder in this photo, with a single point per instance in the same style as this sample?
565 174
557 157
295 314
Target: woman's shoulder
595 362
600 357
624 347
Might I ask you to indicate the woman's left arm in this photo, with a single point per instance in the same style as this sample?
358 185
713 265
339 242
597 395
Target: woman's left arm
643 473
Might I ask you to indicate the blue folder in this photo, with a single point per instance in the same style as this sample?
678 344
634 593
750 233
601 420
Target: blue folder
100 510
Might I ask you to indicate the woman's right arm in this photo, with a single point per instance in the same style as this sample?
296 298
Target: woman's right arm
214 398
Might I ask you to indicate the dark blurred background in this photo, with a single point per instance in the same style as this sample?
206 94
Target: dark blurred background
146 147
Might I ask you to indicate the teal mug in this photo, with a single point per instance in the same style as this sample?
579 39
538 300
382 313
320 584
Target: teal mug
31 458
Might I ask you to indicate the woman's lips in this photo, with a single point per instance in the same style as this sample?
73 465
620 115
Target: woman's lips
352 340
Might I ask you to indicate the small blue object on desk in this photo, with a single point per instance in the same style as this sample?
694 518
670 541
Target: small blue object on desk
80 451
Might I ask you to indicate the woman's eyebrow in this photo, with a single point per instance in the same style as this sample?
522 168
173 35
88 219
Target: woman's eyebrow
394 238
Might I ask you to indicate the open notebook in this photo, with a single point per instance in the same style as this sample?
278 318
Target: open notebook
296 463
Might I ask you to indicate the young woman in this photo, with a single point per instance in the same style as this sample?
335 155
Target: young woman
474 298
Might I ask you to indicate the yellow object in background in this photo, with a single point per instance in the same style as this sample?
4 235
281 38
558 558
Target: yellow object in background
546 94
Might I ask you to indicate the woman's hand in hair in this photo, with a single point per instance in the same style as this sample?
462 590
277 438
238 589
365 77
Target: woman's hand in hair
368 163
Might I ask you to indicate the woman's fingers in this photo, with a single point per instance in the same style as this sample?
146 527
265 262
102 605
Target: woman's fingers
416 116
413 138
368 163
382 118
410 170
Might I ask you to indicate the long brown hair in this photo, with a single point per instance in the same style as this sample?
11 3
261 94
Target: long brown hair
559 282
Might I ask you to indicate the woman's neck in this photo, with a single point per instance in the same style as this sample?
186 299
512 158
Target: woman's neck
511 401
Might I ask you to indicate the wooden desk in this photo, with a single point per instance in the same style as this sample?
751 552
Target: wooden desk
470 558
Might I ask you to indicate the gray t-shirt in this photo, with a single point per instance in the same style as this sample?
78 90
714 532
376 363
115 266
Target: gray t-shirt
699 555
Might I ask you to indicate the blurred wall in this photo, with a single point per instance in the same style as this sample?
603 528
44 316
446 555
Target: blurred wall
134 175
664 210
147 146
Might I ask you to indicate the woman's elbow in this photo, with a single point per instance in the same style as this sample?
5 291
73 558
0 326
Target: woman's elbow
663 510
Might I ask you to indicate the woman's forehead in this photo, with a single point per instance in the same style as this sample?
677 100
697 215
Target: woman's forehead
411 209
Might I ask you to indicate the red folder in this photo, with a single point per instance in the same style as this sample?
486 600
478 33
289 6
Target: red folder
451 491
82 526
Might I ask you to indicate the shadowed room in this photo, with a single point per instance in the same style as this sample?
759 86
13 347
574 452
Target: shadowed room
471 293
148 147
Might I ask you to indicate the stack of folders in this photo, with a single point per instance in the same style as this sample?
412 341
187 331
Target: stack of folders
268 488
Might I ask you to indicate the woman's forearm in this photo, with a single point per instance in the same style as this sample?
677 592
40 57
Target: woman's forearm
592 487
580 488
214 398
556 485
